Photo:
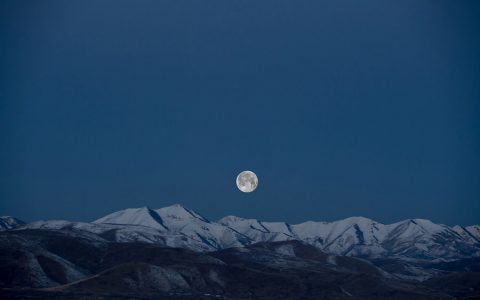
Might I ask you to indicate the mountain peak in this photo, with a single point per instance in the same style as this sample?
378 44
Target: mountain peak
358 220
176 205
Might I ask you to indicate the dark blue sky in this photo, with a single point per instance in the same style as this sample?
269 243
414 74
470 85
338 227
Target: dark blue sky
342 108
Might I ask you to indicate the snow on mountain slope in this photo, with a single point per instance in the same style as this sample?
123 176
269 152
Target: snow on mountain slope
122 233
474 230
194 226
135 216
243 225
337 237
256 230
7 222
102 232
177 212
280 227
424 239
470 233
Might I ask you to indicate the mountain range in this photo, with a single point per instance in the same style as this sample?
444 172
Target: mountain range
138 253
178 226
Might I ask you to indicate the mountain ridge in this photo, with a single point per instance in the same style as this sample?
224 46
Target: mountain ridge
178 226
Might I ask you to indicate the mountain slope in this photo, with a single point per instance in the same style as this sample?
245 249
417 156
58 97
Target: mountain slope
257 230
135 216
469 233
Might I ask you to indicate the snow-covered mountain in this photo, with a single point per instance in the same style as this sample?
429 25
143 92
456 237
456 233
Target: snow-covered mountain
174 226
7 222
358 236
178 226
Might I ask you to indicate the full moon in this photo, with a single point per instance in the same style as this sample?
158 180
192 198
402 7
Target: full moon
247 181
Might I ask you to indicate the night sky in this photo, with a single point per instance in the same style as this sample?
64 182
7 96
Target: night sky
342 108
